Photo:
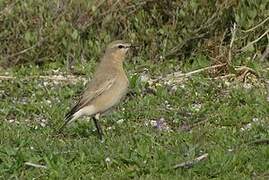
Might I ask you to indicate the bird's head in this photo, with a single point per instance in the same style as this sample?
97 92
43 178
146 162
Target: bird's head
118 49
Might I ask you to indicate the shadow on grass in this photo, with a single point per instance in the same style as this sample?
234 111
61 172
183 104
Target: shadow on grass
77 130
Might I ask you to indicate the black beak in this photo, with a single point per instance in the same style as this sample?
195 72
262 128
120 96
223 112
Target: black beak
134 46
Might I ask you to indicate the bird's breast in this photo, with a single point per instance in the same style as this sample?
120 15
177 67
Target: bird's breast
121 86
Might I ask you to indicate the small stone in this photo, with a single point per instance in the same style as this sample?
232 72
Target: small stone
120 121
11 121
153 123
255 120
196 107
42 124
108 159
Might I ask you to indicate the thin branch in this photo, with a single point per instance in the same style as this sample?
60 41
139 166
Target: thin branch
224 77
22 52
256 40
190 163
233 30
203 69
42 39
245 68
7 77
252 29
68 78
35 165
177 77
260 142
266 52
221 42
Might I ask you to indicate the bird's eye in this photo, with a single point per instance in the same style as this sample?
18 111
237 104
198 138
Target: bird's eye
120 46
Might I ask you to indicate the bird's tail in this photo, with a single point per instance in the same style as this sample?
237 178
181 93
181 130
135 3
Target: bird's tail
62 126
69 117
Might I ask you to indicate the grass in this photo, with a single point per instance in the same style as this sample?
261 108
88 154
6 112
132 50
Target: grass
158 125
217 117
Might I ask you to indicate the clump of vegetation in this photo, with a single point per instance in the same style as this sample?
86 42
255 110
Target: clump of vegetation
47 31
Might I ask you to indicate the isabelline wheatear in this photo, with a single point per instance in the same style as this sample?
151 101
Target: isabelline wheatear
107 87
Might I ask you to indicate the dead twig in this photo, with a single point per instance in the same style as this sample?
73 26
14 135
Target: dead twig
198 70
187 127
68 78
233 30
259 142
189 164
258 25
7 77
177 77
35 165
224 77
246 69
253 42
266 52
22 52
27 49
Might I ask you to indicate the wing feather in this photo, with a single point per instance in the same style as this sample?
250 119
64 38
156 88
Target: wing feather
92 92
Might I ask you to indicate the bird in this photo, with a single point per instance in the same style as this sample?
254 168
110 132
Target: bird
107 88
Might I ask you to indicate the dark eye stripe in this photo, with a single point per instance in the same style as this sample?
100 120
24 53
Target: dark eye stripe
120 46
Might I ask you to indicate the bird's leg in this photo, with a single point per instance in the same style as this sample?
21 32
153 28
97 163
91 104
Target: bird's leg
97 125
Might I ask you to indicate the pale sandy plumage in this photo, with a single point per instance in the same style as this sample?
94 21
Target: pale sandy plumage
107 87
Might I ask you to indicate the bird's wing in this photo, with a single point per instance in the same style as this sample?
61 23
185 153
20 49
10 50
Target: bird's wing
93 91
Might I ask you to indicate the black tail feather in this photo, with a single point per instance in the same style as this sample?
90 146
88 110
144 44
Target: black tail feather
72 112
62 127
68 117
